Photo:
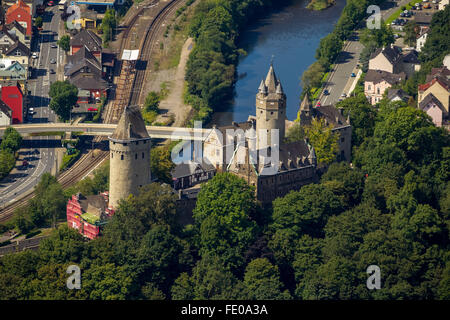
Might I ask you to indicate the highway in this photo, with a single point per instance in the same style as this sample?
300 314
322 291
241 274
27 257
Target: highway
38 151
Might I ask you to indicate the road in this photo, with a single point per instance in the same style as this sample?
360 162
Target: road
340 79
24 180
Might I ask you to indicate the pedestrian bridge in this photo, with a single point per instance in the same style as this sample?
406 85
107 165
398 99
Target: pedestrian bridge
101 129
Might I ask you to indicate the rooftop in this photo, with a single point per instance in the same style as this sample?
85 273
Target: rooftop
131 126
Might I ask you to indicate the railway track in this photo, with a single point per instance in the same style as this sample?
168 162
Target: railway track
90 160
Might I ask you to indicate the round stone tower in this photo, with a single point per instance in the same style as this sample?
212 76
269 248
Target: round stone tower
129 154
271 107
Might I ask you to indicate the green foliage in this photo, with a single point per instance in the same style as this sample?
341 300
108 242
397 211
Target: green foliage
438 39
64 42
161 164
381 37
222 218
262 281
64 96
109 24
312 77
324 141
38 22
11 140
410 33
295 133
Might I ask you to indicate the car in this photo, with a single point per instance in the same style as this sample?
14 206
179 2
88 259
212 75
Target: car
53 46
353 75
50 3
35 55
24 163
344 95
52 61
326 92
318 104
52 71
92 109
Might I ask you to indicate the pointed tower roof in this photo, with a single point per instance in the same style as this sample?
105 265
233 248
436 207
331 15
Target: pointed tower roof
271 79
262 87
279 88
306 104
131 126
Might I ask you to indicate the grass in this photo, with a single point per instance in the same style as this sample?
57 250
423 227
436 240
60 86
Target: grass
396 14
69 159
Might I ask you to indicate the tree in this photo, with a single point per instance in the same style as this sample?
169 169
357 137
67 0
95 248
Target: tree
152 102
262 281
109 23
312 77
64 42
161 164
362 117
38 22
305 211
324 141
382 36
11 140
410 33
222 218
329 48
64 96
295 133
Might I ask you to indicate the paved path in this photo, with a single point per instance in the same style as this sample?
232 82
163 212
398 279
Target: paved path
340 79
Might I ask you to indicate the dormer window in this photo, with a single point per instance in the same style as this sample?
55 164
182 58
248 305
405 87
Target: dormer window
18 53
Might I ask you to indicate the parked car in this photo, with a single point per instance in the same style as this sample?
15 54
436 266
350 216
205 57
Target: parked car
52 71
325 92
353 75
24 163
35 55
52 61
53 46
92 109
344 95
50 3
318 104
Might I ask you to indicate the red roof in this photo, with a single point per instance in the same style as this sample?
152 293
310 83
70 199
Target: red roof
12 96
424 87
20 12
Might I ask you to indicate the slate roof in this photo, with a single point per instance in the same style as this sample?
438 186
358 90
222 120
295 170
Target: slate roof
131 126
438 72
88 82
18 26
18 46
392 93
5 109
331 114
188 169
430 98
377 76
393 54
87 38
411 57
271 85
423 18
82 58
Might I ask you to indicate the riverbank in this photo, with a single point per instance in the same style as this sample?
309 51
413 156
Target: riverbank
320 4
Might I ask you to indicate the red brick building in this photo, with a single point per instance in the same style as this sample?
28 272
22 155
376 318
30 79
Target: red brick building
88 214
12 96
21 13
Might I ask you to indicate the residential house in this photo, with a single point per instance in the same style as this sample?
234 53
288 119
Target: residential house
421 39
377 82
88 39
6 39
391 59
423 19
13 97
446 61
443 4
12 70
18 52
83 61
5 114
33 4
410 62
21 13
88 214
96 85
397 95
18 31
434 95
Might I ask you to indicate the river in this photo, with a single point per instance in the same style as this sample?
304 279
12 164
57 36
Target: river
291 36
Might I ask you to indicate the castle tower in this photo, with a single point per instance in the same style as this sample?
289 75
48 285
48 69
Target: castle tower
305 111
129 147
271 106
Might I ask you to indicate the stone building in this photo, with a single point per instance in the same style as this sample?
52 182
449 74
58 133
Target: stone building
129 156
333 117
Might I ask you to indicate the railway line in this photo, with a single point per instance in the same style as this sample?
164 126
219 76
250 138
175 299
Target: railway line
129 93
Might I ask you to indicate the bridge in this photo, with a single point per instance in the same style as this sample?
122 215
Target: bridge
101 129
